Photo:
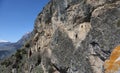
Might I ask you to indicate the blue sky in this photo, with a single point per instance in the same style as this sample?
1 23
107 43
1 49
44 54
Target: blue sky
17 17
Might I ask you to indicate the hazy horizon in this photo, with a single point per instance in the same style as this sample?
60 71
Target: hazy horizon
17 17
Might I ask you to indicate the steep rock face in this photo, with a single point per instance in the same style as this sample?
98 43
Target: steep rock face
71 36
77 36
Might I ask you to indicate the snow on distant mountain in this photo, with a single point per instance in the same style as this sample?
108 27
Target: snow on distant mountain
3 41
7 48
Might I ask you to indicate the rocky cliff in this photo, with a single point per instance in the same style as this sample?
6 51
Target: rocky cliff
72 36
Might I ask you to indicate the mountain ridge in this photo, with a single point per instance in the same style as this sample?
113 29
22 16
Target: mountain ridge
8 48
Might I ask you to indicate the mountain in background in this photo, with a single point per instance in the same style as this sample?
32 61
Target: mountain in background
24 38
8 48
3 41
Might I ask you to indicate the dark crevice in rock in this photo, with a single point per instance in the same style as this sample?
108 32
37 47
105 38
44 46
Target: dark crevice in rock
67 7
61 69
112 1
98 51
101 57
107 52
76 35
89 14
38 61
94 43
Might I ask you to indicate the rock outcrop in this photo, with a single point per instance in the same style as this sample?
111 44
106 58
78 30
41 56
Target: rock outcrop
74 36
81 34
